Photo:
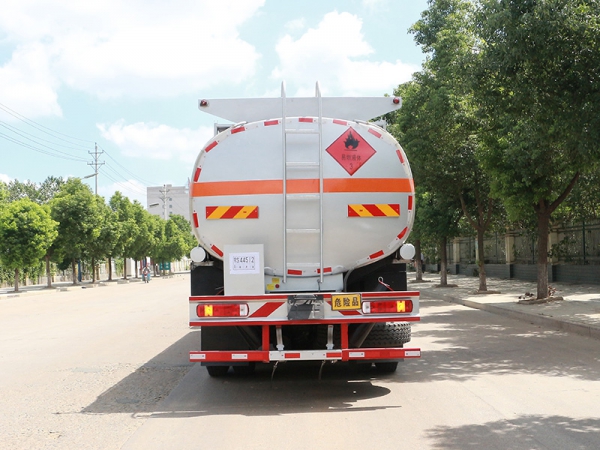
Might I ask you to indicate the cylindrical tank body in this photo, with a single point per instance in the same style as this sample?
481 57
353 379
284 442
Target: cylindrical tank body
338 190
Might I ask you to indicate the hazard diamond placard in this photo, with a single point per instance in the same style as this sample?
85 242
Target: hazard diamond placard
351 151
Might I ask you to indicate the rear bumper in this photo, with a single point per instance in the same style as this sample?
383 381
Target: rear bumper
357 354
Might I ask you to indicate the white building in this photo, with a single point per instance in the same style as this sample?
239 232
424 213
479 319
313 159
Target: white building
167 200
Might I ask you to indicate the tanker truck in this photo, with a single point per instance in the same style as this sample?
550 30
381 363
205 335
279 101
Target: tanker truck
301 208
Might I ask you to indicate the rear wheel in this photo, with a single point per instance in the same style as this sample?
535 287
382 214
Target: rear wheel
217 371
245 370
386 367
388 334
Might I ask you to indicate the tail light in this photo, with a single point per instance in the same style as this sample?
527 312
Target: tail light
222 310
386 307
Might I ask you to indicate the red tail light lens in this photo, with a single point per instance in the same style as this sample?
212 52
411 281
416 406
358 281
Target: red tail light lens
387 307
222 310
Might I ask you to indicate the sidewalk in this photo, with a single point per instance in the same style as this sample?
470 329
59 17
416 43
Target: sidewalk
578 312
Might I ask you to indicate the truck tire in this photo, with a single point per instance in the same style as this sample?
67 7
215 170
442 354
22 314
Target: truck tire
245 370
217 371
386 367
388 334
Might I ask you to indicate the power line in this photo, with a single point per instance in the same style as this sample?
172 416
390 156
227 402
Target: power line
37 138
41 127
46 152
141 180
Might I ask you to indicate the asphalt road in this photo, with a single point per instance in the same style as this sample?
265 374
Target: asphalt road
106 368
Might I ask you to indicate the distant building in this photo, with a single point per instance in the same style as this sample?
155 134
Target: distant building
166 200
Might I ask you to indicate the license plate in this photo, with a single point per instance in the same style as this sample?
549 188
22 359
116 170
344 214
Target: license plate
342 302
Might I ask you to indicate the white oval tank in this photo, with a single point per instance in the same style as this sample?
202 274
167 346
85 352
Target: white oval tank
345 206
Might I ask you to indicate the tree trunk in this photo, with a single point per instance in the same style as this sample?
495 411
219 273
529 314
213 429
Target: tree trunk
124 268
481 261
444 263
109 268
93 270
418 260
48 275
542 254
74 271
16 280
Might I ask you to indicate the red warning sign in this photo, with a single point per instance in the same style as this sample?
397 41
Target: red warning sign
351 151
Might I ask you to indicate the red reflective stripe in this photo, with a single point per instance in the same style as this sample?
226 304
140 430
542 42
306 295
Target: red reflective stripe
195 219
266 309
197 174
217 250
402 233
374 133
340 122
238 130
410 202
210 146
306 119
325 270
292 355
399 153
294 272
271 122
376 255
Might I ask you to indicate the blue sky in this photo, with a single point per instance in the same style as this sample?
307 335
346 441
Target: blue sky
128 75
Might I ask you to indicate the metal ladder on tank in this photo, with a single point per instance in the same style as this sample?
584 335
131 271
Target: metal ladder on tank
290 200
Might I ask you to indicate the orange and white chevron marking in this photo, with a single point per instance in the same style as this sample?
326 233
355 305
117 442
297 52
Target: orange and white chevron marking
231 212
374 210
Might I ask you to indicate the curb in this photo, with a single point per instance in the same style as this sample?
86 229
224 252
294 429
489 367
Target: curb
563 325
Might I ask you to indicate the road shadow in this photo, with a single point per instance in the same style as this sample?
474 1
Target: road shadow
294 388
460 343
524 432
151 383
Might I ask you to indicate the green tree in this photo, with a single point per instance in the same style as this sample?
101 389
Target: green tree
185 227
26 232
75 209
175 245
126 228
103 246
439 123
4 193
538 81
143 237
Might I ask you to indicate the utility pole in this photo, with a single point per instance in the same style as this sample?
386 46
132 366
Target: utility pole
163 197
96 164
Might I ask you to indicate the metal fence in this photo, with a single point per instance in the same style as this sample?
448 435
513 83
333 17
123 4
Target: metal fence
576 244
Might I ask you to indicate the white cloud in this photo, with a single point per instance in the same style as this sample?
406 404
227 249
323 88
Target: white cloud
114 48
5 178
156 141
296 24
27 85
336 54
